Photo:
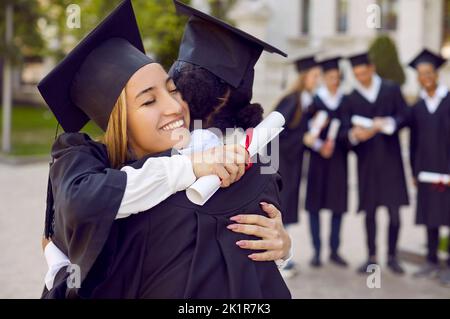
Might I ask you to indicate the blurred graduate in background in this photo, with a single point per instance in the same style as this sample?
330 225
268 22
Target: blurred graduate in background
375 140
430 152
327 173
293 106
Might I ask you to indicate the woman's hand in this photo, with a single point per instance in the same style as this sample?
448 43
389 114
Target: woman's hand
274 238
227 162
327 149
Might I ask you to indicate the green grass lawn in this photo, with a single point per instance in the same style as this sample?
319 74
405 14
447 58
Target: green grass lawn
33 130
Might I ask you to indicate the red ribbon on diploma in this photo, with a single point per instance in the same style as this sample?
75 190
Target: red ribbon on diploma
440 187
248 141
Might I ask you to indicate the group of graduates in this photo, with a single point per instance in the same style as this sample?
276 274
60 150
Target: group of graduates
328 124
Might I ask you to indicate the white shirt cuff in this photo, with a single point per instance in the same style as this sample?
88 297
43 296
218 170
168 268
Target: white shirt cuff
159 178
390 126
352 139
281 263
318 143
55 260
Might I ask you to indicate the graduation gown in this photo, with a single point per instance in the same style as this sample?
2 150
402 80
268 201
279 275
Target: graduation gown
430 151
174 250
291 158
381 177
327 178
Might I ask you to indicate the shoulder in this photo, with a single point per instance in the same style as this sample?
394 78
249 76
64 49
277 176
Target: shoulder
80 143
390 85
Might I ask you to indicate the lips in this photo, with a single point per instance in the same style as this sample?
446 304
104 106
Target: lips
173 125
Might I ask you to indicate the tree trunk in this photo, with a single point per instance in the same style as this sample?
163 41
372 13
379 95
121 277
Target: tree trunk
7 83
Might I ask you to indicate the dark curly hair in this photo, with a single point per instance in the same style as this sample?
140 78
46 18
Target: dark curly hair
213 101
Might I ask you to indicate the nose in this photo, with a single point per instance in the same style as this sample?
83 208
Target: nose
171 106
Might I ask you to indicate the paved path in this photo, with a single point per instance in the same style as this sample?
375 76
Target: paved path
22 267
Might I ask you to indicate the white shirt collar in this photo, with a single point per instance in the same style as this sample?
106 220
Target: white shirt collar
306 99
331 101
370 93
433 102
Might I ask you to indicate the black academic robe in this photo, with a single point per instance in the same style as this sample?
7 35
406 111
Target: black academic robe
381 177
174 250
291 157
327 178
430 151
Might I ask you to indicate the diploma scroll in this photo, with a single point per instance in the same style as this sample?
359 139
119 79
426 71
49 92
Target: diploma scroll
318 123
333 129
202 190
368 123
434 178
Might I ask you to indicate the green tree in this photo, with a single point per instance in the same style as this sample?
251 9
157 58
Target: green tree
220 8
160 26
27 40
383 53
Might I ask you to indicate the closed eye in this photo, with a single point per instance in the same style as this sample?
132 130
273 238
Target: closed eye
148 103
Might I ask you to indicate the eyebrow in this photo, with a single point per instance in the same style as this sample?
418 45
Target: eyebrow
152 88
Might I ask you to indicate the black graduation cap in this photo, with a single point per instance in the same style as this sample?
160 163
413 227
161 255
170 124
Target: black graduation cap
225 51
305 63
330 64
88 82
426 56
359 59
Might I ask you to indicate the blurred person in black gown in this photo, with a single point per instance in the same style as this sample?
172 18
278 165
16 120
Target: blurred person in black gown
293 106
430 152
327 173
381 177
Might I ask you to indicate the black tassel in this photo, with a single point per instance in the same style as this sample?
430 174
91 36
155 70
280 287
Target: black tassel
49 212
50 209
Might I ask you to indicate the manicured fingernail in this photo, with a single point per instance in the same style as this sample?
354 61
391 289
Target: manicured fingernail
240 243
235 218
263 203
232 226
251 257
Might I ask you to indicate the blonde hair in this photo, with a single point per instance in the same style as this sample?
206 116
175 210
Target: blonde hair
297 87
116 135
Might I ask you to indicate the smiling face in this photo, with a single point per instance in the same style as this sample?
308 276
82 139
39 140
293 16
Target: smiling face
332 79
364 73
427 76
312 77
157 116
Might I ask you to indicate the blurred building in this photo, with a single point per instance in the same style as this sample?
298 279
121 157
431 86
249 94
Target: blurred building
339 27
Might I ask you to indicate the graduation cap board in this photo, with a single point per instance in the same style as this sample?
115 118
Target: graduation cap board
87 83
305 63
330 64
225 51
426 56
359 59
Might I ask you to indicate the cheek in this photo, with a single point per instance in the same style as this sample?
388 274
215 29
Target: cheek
143 125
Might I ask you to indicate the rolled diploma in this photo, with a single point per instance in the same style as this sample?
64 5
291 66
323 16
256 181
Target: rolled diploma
333 130
318 123
362 121
434 178
368 123
203 188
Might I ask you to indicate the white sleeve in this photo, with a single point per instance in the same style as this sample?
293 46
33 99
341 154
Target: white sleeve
159 178
281 263
55 260
390 126
352 139
318 143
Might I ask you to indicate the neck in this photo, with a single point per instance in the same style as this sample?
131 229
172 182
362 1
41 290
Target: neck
333 91
431 91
